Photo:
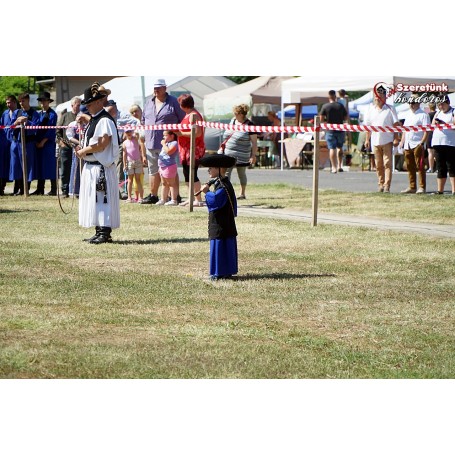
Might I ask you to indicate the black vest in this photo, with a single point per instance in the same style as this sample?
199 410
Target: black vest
222 221
90 130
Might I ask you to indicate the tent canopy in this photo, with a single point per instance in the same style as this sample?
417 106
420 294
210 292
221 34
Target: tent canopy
263 89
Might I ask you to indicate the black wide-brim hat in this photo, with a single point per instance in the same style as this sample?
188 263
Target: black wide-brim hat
95 92
45 96
217 161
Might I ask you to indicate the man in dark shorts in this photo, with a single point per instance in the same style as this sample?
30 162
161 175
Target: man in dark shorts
334 112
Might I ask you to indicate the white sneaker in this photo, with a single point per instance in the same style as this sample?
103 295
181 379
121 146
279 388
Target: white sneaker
171 203
160 202
421 191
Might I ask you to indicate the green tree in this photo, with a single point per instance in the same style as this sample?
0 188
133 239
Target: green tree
241 79
11 85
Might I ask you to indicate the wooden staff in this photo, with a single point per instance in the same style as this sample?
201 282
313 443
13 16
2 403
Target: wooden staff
24 160
192 158
317 124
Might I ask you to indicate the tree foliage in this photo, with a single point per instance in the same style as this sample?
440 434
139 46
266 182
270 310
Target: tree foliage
241 79
12 85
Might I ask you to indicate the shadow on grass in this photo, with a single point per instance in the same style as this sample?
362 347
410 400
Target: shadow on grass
262 206
157 241
17 211
282 276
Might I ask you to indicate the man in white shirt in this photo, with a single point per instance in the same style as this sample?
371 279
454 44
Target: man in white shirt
381 114
413 144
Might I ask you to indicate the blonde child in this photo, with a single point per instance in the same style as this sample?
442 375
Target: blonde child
168 168
134 160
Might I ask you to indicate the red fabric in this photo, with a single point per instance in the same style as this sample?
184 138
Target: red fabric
185 141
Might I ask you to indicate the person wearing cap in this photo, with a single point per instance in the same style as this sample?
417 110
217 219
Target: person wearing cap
413 144
443 142
381 114
28 116
222 207
45 147
161 109
98 197
65 147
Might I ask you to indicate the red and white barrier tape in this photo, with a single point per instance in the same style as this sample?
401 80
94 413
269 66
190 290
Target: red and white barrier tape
384 129
267 129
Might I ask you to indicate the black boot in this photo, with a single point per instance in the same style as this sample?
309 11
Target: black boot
97 233
104 236
39 189
18 187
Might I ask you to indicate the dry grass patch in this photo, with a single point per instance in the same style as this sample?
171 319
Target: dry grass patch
330 301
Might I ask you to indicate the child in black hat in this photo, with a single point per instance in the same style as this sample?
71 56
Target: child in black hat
222 207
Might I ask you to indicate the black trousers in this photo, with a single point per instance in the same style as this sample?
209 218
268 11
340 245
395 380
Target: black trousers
66 156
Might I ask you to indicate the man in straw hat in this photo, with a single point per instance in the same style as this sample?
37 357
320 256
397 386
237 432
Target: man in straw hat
98 198
222 207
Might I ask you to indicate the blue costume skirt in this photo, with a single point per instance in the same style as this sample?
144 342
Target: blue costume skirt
15 167
46 162
223 257
4 157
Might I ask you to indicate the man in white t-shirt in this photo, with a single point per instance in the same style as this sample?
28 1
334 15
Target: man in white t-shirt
381 114
413 143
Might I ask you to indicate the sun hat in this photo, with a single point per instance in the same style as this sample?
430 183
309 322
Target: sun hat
159 83
217 160
45 96
95 92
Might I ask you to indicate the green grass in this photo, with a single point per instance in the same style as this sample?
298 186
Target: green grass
325 302
405 207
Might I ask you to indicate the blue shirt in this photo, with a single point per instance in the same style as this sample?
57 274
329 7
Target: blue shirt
164 159
170 113
7 121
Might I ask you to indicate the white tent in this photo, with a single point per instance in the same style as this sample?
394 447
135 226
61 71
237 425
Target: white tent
135 89
314 89
262 89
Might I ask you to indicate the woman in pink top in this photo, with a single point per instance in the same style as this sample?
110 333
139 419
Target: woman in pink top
134 160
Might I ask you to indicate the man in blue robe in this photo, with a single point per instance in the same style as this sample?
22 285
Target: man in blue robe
45 147
29 117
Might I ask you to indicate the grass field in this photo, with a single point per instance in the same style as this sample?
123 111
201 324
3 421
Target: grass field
325 302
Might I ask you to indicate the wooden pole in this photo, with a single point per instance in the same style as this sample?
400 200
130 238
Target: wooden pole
192 159
24 160
317 124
